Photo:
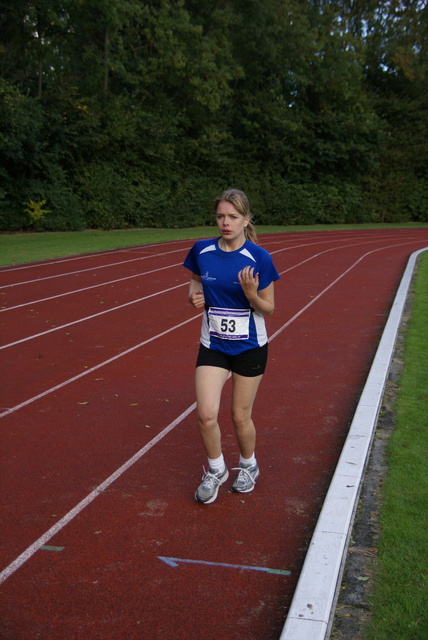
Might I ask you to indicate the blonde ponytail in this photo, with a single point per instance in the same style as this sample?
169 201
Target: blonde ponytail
250 233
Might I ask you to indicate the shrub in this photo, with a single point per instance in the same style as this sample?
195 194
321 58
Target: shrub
36 212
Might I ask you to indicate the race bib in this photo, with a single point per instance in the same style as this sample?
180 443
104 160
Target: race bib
229 324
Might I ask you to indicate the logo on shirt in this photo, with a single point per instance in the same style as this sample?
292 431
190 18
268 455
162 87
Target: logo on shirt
207 277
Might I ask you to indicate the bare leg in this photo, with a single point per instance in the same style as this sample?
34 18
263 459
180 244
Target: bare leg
209 383
243 396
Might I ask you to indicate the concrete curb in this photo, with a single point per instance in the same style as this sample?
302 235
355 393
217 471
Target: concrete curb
312 609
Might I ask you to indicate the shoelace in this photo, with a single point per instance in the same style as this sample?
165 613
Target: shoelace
243 476
209 480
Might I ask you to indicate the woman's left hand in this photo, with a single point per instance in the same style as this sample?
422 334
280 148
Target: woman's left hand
249 282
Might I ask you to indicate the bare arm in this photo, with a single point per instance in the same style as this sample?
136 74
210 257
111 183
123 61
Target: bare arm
262 301
196 294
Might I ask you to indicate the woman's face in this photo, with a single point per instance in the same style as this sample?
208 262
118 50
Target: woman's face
230 222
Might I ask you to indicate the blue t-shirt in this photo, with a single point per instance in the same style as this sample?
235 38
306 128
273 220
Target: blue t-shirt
229 324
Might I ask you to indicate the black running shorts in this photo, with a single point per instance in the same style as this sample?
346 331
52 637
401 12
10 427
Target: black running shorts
250 363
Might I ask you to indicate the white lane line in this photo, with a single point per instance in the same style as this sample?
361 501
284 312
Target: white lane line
102 266
361 236
316 255
95 315
311 612
31 550
66 382
299 313
288 236
137 275
130 249
18 562
113 264
88 256
92 369
63 326
93 286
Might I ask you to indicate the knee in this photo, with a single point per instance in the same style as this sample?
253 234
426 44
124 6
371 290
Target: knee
241 419
207 419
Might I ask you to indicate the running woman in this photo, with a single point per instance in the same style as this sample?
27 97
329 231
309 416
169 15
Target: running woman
233 281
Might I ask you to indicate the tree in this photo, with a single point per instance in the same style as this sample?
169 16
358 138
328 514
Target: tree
397 78
125 112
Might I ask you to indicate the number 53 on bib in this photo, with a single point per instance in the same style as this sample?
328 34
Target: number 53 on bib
229 324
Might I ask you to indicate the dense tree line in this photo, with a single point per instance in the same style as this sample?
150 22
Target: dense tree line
118 113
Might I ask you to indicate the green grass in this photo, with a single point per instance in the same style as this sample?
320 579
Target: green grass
400 598
16 248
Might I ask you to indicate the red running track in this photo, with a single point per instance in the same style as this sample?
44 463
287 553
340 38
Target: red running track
101 537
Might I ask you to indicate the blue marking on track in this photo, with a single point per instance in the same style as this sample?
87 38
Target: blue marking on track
47 547
174 562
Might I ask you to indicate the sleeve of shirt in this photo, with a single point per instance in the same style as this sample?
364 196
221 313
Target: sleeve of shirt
191 261
268 272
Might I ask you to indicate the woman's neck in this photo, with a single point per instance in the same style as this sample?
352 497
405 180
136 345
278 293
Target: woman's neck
232 245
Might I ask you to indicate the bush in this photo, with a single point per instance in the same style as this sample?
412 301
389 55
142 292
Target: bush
148 202
290 204
36 212
191 202
66 213
415 200
12 215
103 193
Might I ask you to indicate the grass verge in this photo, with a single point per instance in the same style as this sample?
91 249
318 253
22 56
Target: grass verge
399 604
16 248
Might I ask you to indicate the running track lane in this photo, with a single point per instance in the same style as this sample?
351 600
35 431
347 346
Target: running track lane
105 580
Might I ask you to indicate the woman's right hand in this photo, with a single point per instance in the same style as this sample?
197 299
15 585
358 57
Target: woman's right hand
196 299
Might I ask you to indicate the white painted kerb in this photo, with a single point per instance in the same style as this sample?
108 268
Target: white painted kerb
311 612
